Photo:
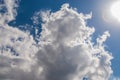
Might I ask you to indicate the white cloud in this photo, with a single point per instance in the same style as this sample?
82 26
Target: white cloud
65 50
8 11
17 48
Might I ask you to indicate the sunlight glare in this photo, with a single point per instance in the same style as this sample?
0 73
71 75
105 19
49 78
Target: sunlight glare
115 10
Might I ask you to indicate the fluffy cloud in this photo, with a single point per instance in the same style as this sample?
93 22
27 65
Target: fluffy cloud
65 50
16 47
68 52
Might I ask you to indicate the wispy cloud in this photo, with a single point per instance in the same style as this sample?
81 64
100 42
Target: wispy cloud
7 11
65 50
114 78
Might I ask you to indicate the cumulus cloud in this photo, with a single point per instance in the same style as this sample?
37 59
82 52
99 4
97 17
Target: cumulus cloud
16 47
68 52
65 50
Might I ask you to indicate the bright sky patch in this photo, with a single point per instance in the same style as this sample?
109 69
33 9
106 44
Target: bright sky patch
115 10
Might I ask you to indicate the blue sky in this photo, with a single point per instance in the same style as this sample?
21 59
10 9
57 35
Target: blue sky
102 20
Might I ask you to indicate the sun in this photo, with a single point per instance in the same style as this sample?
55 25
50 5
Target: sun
115 10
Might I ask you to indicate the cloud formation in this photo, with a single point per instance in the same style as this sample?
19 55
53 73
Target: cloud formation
65 50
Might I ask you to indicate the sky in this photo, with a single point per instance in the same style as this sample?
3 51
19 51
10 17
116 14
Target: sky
59 40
